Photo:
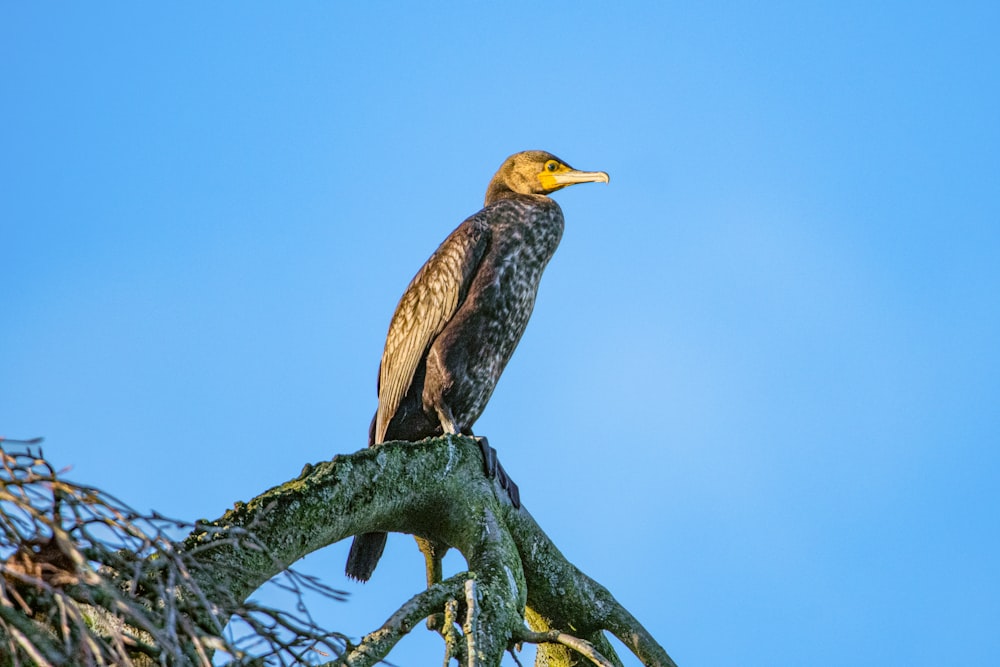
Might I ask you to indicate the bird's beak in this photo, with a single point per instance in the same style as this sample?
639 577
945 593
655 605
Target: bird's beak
567 176
573 176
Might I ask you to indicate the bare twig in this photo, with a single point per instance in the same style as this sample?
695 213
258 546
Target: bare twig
15 441
87 580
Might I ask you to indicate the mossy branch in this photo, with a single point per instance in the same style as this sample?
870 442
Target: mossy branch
434 489
69 594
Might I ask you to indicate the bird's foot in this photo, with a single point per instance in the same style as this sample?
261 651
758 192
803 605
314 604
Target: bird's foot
493 470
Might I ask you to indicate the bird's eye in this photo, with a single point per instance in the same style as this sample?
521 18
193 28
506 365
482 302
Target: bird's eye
552 165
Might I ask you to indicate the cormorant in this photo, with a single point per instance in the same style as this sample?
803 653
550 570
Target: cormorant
462 315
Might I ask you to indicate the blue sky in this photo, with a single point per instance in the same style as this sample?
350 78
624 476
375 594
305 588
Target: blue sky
758 398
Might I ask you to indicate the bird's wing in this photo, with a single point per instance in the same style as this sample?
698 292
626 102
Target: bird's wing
431 299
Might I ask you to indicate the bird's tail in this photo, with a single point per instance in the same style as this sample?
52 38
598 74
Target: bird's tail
366 549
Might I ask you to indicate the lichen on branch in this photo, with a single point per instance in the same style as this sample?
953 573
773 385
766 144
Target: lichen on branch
436 489
518 586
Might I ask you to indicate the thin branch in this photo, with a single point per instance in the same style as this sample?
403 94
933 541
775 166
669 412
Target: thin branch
623 625
376 645
449 632
41 649
471 627
581 646
87 580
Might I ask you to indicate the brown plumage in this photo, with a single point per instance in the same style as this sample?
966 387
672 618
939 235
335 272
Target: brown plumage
463 314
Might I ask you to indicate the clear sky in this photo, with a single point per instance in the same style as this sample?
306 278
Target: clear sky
759 398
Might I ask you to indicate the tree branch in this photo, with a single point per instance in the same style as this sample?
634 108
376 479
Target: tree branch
434 489
564 597
174 599
376 645
581 646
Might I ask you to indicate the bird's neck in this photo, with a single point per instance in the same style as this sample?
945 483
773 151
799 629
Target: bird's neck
499 190
496 192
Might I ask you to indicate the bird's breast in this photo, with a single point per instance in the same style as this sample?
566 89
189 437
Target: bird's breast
499 305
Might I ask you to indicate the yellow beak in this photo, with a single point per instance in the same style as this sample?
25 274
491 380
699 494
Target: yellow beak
553 180
574 176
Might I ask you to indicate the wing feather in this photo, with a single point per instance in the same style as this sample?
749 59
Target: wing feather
426 306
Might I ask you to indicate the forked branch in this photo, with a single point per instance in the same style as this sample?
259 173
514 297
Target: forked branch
435 489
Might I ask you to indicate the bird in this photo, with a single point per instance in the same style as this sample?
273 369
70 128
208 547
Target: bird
459 320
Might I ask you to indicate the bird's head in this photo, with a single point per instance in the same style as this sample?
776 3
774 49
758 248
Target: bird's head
536 173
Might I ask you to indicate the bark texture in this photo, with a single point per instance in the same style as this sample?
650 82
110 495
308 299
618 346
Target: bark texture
86 580
518 588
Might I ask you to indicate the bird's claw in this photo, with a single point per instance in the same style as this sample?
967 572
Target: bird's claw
494 470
